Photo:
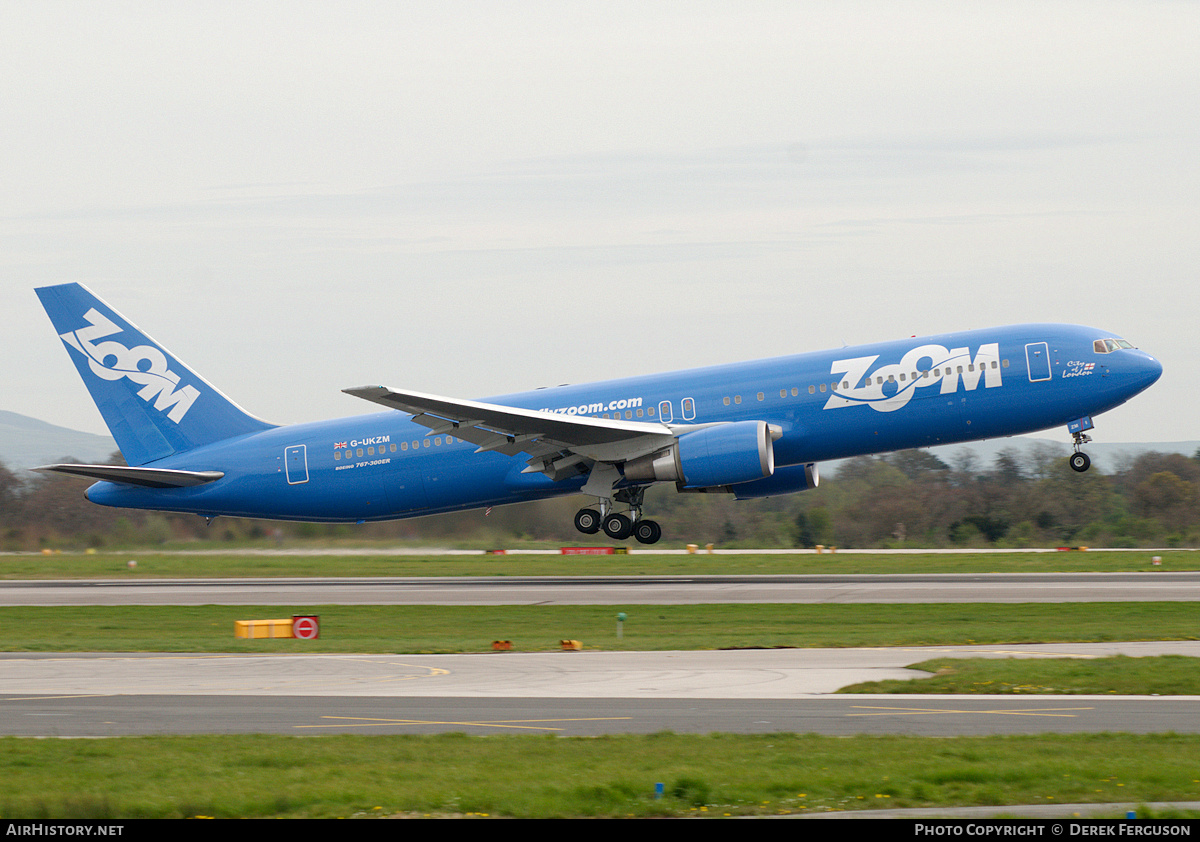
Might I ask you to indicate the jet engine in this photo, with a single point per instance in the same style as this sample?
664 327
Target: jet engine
725 454
787 480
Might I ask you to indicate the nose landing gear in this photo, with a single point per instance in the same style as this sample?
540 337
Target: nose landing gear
1079 460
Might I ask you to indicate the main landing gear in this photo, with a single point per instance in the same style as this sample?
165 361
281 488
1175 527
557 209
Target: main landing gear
620 526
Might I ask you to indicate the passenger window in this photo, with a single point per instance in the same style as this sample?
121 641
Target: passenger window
689 409
761 396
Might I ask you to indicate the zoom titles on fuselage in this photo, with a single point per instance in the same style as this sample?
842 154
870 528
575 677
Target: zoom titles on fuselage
890 387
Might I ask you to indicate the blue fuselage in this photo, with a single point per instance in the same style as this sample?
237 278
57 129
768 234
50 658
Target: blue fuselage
835 404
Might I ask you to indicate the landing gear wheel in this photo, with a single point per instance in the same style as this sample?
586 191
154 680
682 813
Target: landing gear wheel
647 532
1080 462
587 521
617 527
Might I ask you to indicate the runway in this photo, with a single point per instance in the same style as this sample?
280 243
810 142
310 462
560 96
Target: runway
615 590
567 693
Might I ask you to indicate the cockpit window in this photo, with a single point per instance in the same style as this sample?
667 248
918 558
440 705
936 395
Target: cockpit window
1107 346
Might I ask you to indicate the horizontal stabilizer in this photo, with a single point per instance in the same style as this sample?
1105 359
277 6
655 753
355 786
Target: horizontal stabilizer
146 477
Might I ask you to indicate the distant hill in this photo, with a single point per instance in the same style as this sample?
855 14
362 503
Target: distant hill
26 442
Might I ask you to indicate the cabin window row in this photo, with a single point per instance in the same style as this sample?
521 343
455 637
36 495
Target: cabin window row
417 444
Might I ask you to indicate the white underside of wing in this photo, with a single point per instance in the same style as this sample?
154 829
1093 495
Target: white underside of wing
549 438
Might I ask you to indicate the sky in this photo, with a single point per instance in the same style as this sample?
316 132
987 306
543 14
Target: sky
473 198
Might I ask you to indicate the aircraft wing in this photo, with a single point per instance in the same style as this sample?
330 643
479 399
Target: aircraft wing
555 442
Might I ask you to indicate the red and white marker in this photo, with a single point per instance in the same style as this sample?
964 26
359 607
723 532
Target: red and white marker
306 627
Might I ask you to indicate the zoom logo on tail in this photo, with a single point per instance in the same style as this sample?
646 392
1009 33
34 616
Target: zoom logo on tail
890 387
144 365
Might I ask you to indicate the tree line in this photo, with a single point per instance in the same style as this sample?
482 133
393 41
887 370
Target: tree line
906 499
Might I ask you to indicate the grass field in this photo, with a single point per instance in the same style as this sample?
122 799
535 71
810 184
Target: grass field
548 777
153 564
1166 675
455 628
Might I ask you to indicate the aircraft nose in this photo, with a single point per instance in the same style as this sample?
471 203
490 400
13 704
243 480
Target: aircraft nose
1148 371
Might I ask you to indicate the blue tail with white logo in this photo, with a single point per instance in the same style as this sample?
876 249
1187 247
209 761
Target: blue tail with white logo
153 404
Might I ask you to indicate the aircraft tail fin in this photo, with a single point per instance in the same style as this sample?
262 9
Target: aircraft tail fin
153 404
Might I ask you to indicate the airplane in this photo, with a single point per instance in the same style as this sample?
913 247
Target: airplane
752 429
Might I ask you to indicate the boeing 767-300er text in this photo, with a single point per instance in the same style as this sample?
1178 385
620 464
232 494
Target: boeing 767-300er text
752 429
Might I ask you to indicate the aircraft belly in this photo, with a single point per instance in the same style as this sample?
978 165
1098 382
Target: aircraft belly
466 479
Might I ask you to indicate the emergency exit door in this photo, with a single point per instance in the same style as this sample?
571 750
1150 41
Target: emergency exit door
1037 357
295 463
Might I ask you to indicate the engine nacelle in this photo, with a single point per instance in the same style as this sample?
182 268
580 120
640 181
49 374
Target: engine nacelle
726 454
787 480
